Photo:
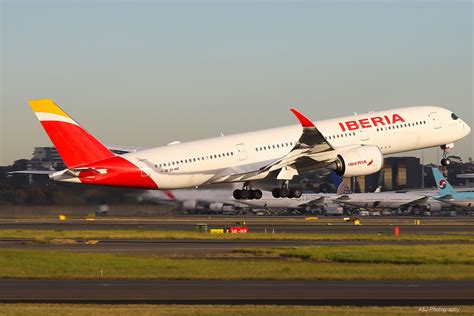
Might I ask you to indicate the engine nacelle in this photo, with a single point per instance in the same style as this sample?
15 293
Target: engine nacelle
190 205
358 161
216 207
434 206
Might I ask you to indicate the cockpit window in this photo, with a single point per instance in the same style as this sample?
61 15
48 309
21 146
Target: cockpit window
454 116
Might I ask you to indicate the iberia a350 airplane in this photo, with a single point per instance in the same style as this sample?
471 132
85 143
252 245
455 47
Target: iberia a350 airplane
352 146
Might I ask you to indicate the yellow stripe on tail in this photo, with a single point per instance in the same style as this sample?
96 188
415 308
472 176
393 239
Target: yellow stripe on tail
47 106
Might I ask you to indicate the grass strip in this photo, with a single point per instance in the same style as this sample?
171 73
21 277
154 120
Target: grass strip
63 265
157 234
218 310
374 254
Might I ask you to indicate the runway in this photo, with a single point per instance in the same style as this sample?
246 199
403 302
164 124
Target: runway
239 292
269 225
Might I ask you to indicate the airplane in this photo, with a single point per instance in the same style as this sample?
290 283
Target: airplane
352 146
391 200
447 194
215 200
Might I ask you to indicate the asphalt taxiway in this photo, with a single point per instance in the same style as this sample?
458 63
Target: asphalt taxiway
239 292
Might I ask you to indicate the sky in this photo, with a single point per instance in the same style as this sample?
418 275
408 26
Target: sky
144 73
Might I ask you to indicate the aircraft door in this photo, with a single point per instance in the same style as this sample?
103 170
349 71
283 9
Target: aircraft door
436 122
145 168
364 135
241 151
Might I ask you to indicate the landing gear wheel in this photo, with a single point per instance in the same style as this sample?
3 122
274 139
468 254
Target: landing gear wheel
284 192
276 193
445 162
257 194
237 194
250 197
245 194
296 193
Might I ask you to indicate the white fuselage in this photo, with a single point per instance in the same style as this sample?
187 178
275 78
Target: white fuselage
196 163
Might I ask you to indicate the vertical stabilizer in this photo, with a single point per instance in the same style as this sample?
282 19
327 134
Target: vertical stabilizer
74 144
442 184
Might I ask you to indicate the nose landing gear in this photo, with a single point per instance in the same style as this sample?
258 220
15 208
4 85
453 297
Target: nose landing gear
445 161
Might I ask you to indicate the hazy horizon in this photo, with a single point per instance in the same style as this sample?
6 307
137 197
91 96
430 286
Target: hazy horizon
146 73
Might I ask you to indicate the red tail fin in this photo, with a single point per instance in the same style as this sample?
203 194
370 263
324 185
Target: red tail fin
74 144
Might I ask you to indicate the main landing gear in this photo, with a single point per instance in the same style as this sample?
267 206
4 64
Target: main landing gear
247 193
286 192
445 161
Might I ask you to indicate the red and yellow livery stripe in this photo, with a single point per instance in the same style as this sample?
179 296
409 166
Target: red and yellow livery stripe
75 145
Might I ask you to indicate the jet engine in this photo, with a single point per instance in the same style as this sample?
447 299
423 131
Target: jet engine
358 161
434 206
216 207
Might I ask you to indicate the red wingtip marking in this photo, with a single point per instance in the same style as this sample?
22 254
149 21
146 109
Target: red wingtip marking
305 122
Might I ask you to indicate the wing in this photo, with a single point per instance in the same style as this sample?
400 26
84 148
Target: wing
124 149
40 172
444 198
421 201
310 152
305 152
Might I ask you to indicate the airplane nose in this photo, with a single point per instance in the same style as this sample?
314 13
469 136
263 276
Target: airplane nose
467 129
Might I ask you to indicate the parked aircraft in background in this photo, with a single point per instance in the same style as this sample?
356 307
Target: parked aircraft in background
404 201
447 194
217 200
352 146
305 201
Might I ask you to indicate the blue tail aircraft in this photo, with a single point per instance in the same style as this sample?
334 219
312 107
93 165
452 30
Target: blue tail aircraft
446 192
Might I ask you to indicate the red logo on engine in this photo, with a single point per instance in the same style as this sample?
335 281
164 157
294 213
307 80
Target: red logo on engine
357 163
360 162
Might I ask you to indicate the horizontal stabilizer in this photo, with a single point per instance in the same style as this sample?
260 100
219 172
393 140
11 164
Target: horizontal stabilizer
43 172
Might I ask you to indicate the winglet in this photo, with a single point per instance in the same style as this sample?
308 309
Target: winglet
305 122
